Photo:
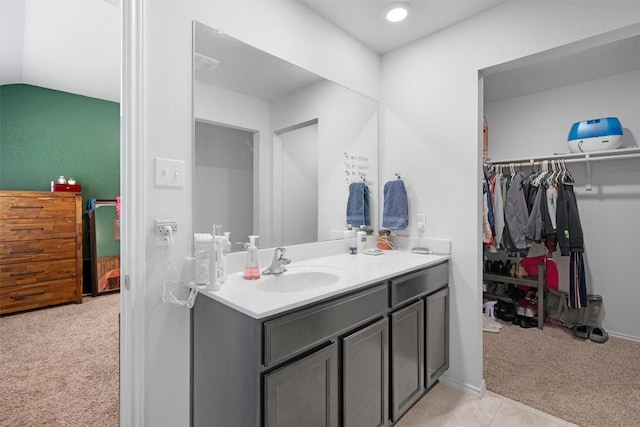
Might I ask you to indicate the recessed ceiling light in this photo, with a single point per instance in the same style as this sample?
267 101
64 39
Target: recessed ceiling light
397 12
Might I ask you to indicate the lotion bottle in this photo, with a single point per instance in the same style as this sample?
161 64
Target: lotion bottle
252 270
361 240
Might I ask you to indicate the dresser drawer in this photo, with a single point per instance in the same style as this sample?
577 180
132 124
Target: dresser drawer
37 250
31 229
33 272
294 333
26 297
36 207
405 288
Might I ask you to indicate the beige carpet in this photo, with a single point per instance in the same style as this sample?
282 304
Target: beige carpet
60 366
589 384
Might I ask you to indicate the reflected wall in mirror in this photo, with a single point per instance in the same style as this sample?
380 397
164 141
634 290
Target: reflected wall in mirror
104 229
276 146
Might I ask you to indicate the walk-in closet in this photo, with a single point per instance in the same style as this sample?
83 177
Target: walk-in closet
530 106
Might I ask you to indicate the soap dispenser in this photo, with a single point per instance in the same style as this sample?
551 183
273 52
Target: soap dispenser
252 270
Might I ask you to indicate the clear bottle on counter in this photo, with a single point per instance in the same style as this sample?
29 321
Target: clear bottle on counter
252 270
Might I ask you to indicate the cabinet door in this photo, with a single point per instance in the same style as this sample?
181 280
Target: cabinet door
365 377
407 357
304 393
437 335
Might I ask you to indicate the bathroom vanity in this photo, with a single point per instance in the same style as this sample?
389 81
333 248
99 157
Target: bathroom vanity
359 348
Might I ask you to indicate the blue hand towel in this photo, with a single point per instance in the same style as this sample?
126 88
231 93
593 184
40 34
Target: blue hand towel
358 205
395 214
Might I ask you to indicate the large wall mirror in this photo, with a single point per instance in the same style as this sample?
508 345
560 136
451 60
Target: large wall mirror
104 229
276 146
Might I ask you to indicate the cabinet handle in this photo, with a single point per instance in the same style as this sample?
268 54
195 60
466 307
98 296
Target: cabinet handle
27 251
25 207
23 296
28 229
24 273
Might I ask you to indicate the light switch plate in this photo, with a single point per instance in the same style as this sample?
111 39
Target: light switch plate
169 173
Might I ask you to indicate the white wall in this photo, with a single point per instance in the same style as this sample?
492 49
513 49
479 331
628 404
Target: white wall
158 123
431 132
11 41
538 125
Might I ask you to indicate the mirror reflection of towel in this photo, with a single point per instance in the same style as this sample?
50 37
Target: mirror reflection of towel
395 214
358 205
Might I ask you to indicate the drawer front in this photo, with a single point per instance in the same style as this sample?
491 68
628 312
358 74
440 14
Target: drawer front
37 250
26 297
34 272
406 287
31 229
297 332
14 207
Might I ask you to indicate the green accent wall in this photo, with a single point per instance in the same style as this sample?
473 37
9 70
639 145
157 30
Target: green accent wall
46 133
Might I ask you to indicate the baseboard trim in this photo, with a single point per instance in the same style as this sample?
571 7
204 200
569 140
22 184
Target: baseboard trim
467 388
623 336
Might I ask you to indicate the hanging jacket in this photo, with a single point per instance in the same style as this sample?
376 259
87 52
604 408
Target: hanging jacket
569 229
533 230
516 214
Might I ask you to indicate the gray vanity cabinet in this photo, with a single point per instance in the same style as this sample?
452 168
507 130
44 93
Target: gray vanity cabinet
361 359
437 335
407 357
365 364
304 393
419 349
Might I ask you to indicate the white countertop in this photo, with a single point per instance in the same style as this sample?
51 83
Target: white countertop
355 271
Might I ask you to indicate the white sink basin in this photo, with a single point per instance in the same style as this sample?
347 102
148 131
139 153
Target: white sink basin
300 278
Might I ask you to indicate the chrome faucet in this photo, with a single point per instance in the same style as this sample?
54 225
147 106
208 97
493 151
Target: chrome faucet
278 263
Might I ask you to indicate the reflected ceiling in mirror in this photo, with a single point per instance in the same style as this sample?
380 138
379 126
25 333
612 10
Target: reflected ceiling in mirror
276 146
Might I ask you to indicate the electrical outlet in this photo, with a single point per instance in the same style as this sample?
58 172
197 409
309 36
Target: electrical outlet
162 233
421 223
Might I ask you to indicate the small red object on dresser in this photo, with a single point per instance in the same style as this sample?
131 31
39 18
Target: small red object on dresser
75 188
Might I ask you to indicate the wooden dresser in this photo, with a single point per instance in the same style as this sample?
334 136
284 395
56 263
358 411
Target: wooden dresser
40 249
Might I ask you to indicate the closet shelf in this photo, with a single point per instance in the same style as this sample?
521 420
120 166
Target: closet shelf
505 298
508 279
539 282
620 153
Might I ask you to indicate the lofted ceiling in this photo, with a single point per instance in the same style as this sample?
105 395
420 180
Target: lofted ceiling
44 43
364 19
67 45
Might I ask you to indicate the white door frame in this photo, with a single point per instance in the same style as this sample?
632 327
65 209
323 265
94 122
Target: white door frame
132 190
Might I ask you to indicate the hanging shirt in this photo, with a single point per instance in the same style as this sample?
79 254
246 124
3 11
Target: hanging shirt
552 198
498 211
487 236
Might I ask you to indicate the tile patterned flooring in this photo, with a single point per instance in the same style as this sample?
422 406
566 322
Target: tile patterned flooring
444 406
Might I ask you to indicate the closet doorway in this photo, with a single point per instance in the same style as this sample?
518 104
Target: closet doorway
530 105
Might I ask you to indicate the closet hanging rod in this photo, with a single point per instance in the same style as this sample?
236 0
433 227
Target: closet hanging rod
622 153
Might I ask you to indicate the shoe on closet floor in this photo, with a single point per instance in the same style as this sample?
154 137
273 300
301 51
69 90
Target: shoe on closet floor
582 331
598 334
